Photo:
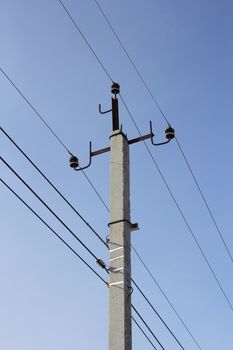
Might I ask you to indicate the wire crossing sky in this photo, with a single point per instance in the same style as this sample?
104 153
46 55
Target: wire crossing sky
152 158
183 53
94 231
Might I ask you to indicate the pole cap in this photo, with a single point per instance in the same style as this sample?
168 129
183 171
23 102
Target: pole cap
115 89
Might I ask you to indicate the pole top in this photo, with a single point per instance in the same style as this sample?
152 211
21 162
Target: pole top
115 89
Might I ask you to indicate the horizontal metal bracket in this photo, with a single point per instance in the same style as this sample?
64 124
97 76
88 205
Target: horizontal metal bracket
108 149
141 138
133 227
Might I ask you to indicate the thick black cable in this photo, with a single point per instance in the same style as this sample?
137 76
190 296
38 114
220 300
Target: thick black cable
77 255
53 186
144 333
149 329
165 118
51 211
165 182
53 231
92 52
204 200
34 110
178 207
153 278
131 60
156 312
166 297
98 236
84 38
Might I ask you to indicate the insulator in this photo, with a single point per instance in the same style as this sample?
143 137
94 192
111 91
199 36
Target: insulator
115 88
101 263
170 133
74 162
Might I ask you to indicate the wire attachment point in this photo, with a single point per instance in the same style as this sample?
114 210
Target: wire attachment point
74 162
169 134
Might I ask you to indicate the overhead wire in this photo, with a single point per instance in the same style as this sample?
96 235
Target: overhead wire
40 117
70 248
32 106
166 297
204 200
89 226
84 38
131 60
34 110
53 231
77 255
149 329
81 259
166 120
53 186
143 332
49 128
156 312
180 210
156 165
50 210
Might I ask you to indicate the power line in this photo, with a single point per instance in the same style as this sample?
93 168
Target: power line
53 231
165 182
53 186
149 329
204 200
92 229
165 118
35 110
98 236
50 210
96 192
179 209
50 129
84 38
153 278
131 60
99 62
145 335
156 312
166 297
80 258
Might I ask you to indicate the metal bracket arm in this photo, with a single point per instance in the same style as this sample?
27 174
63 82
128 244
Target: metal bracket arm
170 134
133 227
104 112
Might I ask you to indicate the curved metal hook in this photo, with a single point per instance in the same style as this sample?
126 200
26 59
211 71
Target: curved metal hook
152 135
87 166
131 291
105 112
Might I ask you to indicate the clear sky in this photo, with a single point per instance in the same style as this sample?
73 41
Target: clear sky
48 298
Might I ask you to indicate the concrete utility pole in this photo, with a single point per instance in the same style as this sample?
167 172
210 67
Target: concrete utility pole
120 334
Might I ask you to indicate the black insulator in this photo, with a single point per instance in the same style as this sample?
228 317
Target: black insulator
101 263
170 133
115 88
74 162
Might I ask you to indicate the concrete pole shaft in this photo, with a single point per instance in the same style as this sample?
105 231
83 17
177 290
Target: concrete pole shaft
120 333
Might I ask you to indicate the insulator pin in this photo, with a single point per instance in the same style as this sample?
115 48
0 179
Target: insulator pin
101 263
170 133
115 89
74 162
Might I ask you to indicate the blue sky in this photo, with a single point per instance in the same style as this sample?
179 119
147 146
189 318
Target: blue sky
183 49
